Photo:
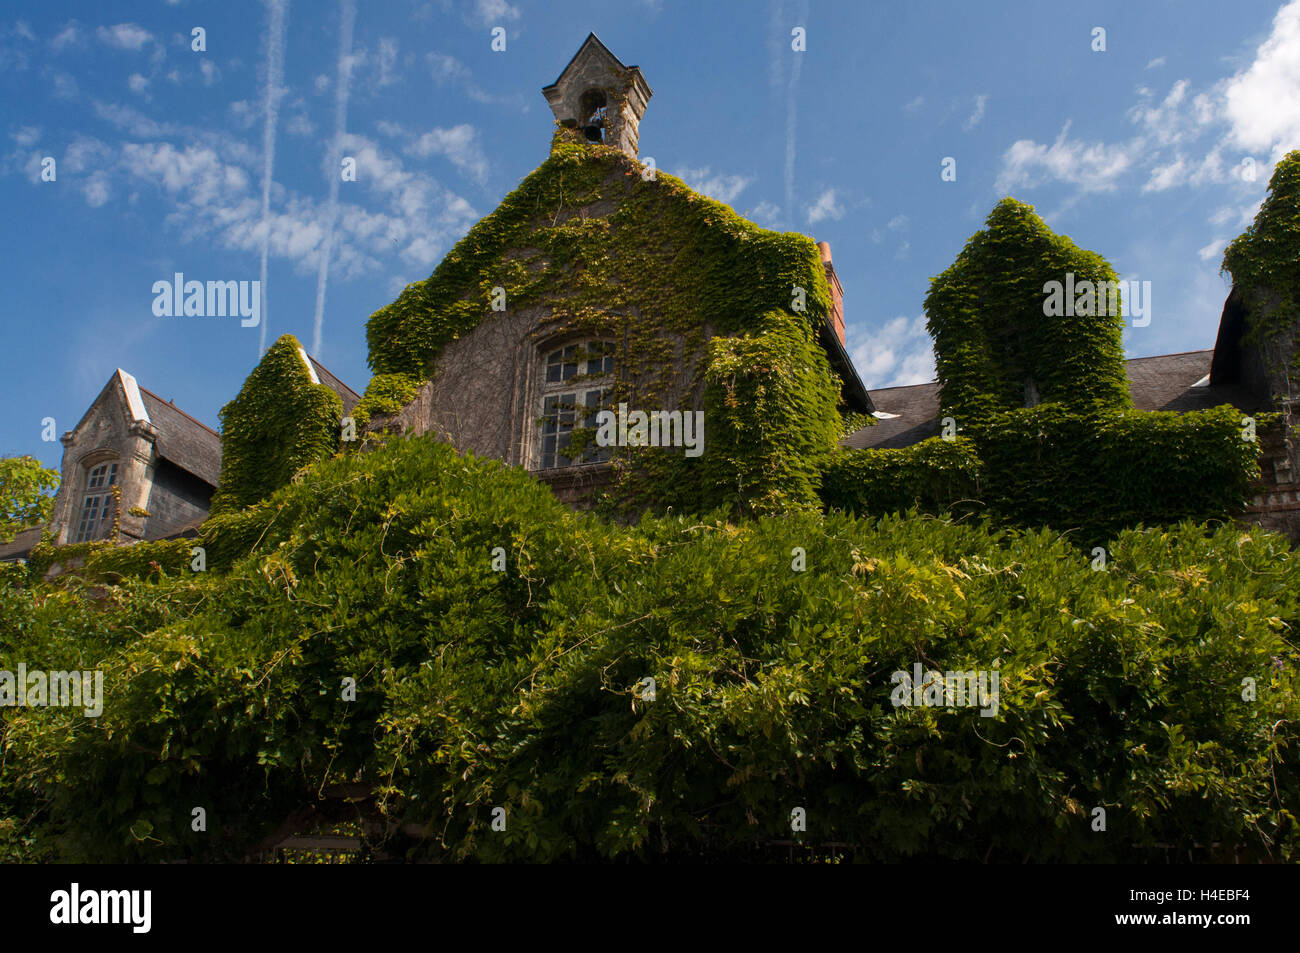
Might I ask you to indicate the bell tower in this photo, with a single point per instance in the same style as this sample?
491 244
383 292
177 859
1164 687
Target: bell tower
600 97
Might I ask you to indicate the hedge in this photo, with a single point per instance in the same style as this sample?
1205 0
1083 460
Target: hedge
772 642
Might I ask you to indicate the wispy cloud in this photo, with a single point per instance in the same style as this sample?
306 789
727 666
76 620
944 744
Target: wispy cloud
974 119
825 207
342 85
458 144
1093 167
278 13
894 355
492 13
724 188
124 36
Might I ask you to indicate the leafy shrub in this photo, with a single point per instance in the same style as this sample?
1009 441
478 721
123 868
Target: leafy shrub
478 688
934 476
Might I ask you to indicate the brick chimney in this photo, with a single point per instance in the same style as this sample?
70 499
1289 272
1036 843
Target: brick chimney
837 290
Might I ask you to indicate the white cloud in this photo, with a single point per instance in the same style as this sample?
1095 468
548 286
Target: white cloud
1262 103
494 12
137 83
387 59
124 36
766 213
26 135
211 73
1092 167
914 105
459 144
1212 250
1155 63
980 102
898 354
70 35
299 125
825 207
724 188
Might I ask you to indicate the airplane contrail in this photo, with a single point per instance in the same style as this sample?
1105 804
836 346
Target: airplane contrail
347 15
279 13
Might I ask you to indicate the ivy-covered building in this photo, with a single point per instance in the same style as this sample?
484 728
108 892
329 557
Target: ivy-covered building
604 284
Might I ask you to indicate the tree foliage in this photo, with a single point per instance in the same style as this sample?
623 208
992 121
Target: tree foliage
26 495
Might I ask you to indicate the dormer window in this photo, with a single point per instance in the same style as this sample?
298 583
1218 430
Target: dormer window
592 118
577 383
97 503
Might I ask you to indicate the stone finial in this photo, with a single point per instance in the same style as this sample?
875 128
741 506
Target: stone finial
600 97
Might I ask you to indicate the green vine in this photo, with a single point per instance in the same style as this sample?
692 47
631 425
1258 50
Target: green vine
1264 262
279 423
605 250
993 340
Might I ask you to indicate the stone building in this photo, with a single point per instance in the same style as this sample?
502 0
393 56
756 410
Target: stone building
516 384
141 461
1237 371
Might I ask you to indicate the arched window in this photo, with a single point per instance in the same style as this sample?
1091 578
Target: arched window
592 116
97 502
578 382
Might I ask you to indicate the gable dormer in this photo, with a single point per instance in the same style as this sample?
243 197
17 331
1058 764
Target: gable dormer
600 97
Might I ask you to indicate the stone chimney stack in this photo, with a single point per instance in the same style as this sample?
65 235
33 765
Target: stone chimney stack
837 290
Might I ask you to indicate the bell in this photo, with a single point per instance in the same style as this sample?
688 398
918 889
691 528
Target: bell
592 132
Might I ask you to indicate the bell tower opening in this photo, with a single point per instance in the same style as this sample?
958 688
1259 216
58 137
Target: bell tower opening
600 97
592 115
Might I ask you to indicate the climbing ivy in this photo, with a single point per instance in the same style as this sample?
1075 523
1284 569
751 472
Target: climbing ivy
1264 262
1093 472
279 423
605 250
992 338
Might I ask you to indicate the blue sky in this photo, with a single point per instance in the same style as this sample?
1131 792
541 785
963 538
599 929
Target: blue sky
161 153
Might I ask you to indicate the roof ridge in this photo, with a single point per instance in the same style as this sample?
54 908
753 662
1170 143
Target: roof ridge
322 367
178 410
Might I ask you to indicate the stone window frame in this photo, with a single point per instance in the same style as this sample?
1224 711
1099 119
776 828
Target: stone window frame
582 384
87 467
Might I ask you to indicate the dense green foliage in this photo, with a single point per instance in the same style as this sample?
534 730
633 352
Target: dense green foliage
1095 471
104 559
933 476
279 423
1264 260
1101 470
603 250
1120 688
26 495
992 337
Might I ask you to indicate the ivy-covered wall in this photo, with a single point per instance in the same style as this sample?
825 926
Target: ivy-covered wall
1264 260
993 337
279 423
1093 472
589 245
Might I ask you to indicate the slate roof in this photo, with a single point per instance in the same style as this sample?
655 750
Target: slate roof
21 546
187 442
346 393
1166 382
